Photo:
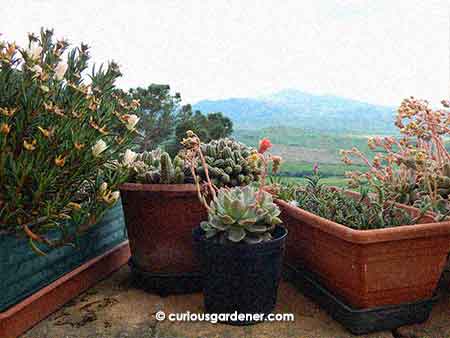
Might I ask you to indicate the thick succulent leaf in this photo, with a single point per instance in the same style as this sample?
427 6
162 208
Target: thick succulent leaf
237 209
275 220
226 202
254 239
205 226
210 233
258 228
247 221
267 236
216 223
250 213
236 234
226 219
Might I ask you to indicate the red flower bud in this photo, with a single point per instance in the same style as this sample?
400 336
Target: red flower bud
264 145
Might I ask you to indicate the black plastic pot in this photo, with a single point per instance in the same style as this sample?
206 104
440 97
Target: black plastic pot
240 278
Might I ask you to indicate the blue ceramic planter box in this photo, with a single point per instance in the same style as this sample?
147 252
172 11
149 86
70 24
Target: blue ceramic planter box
23 272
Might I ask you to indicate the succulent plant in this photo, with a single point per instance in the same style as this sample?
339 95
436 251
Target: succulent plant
156 167
369 211
229 163
413 167
240 214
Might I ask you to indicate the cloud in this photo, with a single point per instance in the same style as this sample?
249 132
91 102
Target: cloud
373 51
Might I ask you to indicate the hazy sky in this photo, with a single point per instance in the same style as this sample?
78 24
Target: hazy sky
376 51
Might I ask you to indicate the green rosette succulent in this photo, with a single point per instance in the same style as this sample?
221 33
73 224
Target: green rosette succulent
239 214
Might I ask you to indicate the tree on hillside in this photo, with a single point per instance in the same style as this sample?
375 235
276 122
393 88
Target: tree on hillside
164 122
207 127
218 126
158 113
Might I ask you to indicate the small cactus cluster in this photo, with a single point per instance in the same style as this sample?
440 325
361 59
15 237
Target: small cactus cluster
229 163
156 167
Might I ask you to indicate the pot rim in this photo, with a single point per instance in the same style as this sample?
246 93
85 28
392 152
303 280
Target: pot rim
239 245
403 232
185 187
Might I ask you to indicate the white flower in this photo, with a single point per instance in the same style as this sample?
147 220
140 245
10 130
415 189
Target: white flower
111 197
129 157
34 51
115 196
60 70
99 147
37 69
131 121
293 203
103 188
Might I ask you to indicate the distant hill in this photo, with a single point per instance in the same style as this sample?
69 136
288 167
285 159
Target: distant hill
294 108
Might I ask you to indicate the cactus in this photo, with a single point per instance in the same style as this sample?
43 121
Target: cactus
167 171
228 163
158 168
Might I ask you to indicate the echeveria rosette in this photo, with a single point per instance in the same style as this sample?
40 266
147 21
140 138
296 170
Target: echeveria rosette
239 214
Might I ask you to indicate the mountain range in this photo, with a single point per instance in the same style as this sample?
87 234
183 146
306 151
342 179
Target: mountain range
294 108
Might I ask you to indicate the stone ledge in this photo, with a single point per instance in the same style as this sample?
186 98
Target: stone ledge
115 309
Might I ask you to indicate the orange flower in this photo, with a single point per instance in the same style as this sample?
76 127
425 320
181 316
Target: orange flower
103 130
264 145
29 145
74 206
79 146
276 164
75 114
44 132
60 161
5 128
8 111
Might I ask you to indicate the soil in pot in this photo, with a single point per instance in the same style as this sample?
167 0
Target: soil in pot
240 278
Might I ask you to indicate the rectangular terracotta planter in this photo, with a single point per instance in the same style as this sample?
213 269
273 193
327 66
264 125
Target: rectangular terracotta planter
368 268
24 274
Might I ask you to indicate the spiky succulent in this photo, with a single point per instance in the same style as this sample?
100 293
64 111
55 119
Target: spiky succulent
239 214
229 163
155 167
369 211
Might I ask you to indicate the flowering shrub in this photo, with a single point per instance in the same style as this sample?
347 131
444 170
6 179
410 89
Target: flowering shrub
59 135
415 168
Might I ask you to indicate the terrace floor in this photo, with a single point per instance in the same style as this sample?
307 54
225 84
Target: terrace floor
114 308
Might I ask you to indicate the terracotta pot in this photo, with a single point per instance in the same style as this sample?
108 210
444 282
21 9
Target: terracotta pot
159 220
368 268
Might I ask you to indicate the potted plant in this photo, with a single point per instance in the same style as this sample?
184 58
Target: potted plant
161 209
414 168
367 249
59 137
241 245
